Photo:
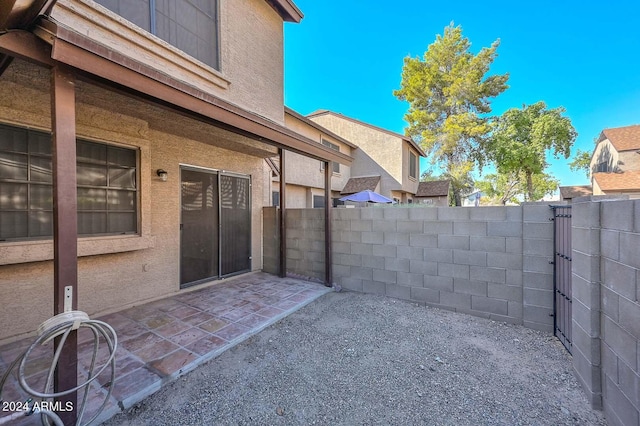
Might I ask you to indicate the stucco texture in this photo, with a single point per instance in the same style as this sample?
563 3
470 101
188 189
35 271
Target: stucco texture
119 271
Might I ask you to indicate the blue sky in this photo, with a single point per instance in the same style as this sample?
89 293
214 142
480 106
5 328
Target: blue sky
347 57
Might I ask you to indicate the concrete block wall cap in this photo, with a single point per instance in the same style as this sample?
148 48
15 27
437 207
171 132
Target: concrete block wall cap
597 198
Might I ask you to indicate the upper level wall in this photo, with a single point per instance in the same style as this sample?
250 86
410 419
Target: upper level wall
629 160
306 171
606 155
251 51
384 149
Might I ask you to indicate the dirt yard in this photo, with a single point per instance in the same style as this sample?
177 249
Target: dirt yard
350 359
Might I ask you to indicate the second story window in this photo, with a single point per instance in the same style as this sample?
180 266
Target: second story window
413 165
189 25
335 165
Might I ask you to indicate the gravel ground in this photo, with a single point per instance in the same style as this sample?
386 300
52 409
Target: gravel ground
349 359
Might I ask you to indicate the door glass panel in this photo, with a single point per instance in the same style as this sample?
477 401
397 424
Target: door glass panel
199 227
235 224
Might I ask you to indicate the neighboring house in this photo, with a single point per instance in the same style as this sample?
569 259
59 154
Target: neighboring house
305 175
626 183
568 193
472 199
615 163
392 157
171 123
435 193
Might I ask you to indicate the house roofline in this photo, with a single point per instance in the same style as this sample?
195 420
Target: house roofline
316 126
287 10
318 113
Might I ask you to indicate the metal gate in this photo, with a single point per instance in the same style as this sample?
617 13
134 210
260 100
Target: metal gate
562 273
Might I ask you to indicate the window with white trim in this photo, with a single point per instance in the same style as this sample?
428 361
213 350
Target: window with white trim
107 188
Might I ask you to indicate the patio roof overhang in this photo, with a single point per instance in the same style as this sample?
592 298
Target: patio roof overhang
94 61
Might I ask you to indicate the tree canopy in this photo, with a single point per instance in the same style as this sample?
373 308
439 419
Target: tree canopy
449 96
581 162
523 137
503 188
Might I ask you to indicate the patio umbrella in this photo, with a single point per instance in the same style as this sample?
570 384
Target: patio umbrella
367 196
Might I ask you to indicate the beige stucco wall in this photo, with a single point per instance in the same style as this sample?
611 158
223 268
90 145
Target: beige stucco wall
604 151
134 269
306 171
251 51
629 160
379 154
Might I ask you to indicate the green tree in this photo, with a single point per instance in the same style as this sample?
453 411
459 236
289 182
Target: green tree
581 162
503 188
500 188
523 137
449 95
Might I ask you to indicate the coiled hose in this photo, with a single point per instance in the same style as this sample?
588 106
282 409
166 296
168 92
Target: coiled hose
61 325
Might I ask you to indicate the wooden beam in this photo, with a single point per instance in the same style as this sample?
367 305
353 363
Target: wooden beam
65 227
24 45
328 205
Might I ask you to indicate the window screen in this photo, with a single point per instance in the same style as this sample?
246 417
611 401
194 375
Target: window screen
413 169
189 25
107 186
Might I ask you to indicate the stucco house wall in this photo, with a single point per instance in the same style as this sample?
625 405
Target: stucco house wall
114 272
118 271
604 152
380 153
250 46
304 175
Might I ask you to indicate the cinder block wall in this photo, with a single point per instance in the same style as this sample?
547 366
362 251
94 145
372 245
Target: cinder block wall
486 261
606 305
270 240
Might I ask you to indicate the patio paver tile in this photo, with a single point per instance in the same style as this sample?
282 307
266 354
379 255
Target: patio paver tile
174 362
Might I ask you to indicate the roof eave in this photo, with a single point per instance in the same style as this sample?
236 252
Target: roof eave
389 132
21 14
287 10
316 126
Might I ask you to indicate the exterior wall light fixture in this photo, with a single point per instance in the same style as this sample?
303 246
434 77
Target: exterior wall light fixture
163 174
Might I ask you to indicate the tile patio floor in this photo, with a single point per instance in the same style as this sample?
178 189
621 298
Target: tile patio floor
162 340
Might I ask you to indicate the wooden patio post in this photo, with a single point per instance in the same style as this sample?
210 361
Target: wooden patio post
65 227
283 227
328 269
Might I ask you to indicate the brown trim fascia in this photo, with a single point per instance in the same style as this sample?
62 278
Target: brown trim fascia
317 126
22 14
287 10
95 59
371 126
24 45
272 165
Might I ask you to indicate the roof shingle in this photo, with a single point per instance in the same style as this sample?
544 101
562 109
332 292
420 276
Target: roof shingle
436 188
567 192
629 180
358 184
623 138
